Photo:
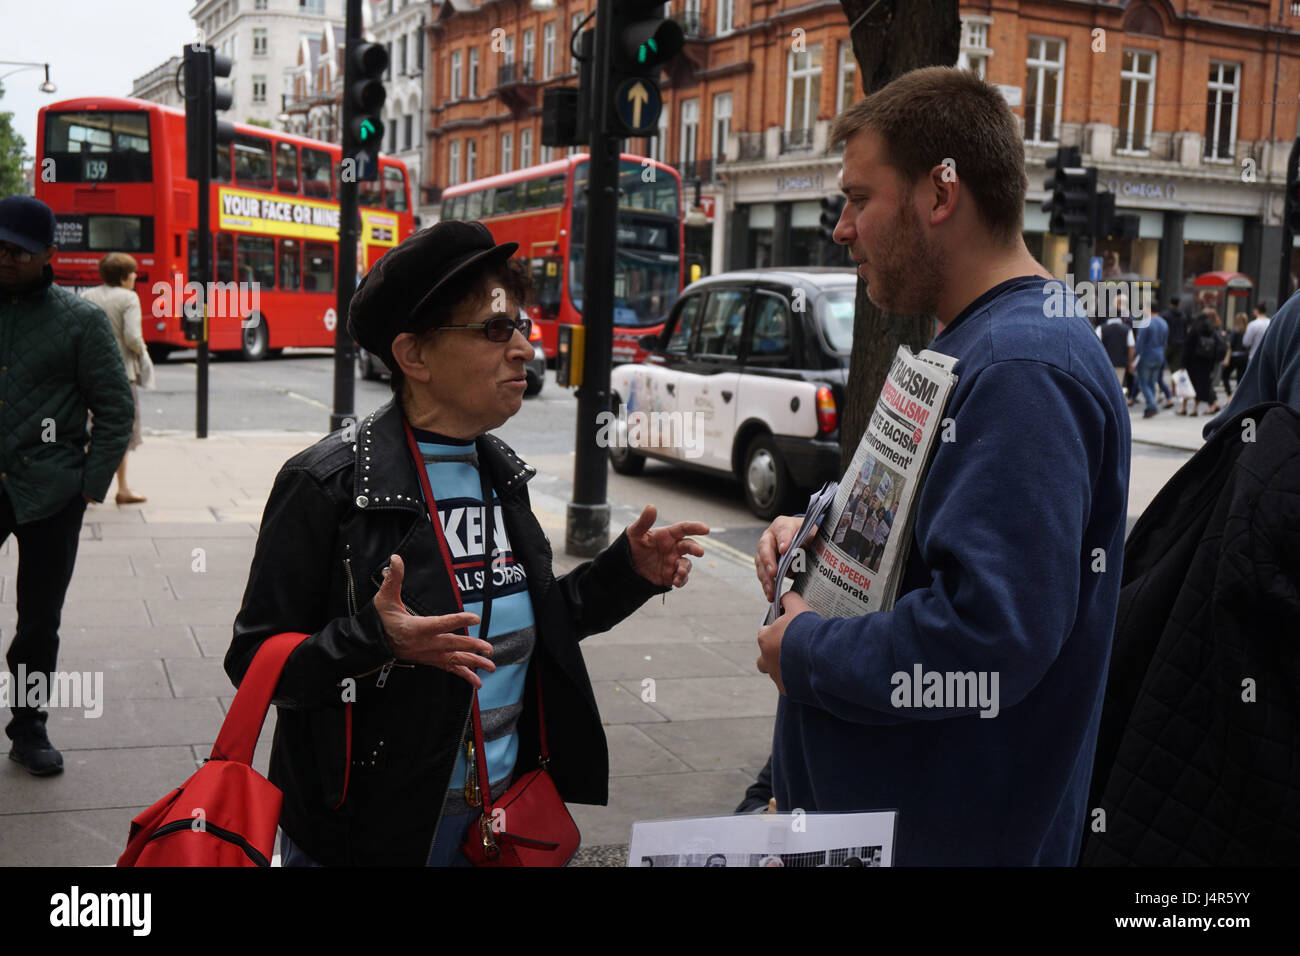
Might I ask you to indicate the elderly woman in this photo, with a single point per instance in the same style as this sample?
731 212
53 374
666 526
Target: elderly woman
373 749
122 306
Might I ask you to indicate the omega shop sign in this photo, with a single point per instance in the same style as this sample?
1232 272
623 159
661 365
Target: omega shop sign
1127 189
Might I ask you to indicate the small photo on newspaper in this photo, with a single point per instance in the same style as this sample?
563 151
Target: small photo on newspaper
864 528
766 840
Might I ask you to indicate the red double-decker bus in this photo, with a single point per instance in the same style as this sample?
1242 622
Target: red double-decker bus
543 209
113 171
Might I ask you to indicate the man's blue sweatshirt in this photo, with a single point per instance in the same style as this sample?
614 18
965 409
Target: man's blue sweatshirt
1014 569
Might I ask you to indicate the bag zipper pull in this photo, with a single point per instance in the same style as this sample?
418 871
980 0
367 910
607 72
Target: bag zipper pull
473 793
383 674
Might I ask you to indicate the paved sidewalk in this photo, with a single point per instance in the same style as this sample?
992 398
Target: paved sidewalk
157 586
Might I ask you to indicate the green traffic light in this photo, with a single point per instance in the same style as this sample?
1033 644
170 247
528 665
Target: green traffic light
367 130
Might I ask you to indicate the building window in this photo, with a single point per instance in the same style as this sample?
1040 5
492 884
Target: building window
802 96
419 51
507 152
546 154
659 147
259 42
527 73
471 160
726 16
576 43
401 54
259 4
259 88
408 124
453 163
455 72
548 50
1221 111
311 6
690 135
525 148
848 81
1136 101
975 50
392 134
473 72
721 125
1043 89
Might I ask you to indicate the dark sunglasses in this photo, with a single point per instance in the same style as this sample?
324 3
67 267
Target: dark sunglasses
499 329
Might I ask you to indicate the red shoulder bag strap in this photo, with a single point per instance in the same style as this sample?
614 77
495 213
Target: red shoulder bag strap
243 723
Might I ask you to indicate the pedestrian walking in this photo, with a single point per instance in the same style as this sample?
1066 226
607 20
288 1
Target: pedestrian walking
120 303
1204 350
409 553
1036 478
1177 322
1121 346
1255 331
58 361
1273 374
1237 355
1152 340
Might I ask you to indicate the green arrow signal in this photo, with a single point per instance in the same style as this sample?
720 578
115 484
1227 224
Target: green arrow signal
367 129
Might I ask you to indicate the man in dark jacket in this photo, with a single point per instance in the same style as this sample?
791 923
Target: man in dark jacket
58 359
1177 322
371 747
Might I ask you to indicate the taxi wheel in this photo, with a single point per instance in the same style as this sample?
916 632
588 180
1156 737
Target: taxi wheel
765 478
623 458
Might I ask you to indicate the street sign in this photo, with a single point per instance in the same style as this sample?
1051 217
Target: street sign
638 103
1094 268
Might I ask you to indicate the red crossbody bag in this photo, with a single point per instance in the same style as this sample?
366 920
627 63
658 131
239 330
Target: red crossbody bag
528 825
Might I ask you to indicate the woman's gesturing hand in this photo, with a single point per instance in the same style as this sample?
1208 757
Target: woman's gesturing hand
659 554
429 640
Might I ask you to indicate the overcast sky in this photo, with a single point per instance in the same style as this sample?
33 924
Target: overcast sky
94 48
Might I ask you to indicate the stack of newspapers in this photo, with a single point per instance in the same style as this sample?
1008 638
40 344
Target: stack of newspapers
854 562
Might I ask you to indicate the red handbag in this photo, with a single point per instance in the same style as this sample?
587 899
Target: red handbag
226 814
529 825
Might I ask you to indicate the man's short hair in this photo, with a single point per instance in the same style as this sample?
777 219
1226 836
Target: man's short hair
115 267
1261 307
939 113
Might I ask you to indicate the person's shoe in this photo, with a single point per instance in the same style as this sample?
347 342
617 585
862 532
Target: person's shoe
34 751
129 499
1149 412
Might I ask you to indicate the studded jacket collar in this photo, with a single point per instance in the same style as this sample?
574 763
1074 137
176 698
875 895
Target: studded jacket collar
384 479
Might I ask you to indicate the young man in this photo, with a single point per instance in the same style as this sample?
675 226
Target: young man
58 358
1255 331
1014 563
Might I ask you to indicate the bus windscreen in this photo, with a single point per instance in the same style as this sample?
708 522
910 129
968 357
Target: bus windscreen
99 146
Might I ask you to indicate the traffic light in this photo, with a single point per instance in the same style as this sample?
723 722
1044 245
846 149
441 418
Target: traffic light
832 208
364 130
641 42
1072 208
204 97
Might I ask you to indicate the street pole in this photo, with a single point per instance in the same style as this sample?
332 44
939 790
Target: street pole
349 230
587 517
205 244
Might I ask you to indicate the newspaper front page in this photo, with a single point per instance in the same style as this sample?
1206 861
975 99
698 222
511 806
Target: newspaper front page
854 564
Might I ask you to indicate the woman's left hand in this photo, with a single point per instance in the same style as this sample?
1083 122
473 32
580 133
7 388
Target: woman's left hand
659 554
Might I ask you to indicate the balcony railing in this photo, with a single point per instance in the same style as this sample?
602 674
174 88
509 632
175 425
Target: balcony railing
794 140
511 74
750 146
702 169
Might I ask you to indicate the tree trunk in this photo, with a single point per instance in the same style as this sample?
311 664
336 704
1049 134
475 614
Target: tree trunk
895 36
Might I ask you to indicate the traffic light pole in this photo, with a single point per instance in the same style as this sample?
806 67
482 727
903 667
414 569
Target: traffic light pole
349 232
587 518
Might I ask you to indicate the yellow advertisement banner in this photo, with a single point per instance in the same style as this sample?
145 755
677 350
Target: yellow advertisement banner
278 215
378 229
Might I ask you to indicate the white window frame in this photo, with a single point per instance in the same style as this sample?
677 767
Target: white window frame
525 147
453 163
403 62
1042 65
507 152
688 146
725 20
408 132
659 148
471 160
975 50
546 154
846 66
473 71
526 70
721 124
1217 88
548 50
259 49
455 74
812 88
259 4
1132 78
259 88
574 20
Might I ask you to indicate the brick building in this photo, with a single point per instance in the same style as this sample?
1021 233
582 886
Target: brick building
1187 107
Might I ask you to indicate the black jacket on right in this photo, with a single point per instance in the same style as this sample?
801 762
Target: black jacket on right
1198 754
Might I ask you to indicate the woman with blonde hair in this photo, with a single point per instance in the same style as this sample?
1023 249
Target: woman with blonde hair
122 306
